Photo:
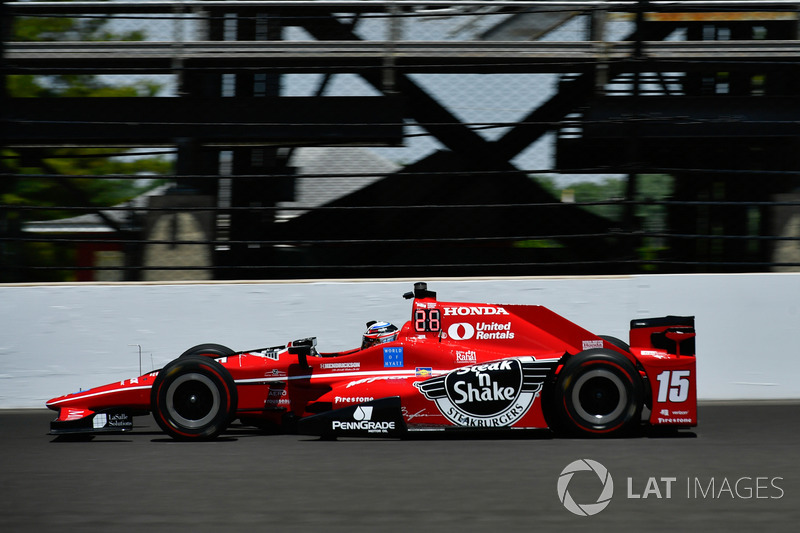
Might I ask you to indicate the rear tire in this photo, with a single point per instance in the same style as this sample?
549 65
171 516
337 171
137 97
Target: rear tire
193 398
619 343
209 350
599 392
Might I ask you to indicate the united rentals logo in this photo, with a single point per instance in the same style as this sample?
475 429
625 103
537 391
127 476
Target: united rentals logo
488 395
462 331
586 509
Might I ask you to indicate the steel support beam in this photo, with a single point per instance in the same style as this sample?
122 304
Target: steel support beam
363 121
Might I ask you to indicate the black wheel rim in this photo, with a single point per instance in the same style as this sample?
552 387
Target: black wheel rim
192 400
599 397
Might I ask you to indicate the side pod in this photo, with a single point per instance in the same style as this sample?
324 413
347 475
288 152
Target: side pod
378 418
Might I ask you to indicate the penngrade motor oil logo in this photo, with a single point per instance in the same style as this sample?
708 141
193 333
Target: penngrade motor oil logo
493 394
362 417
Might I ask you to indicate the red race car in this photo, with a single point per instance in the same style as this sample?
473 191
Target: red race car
453 366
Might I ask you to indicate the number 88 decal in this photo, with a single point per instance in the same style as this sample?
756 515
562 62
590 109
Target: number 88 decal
427 320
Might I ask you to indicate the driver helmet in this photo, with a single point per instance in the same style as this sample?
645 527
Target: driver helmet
378 333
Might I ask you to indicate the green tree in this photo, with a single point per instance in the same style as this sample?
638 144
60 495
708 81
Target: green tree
22 190
44 29
606 195
39 177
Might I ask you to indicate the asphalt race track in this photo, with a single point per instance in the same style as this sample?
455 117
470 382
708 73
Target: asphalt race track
739 471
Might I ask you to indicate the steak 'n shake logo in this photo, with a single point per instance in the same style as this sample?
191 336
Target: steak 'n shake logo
488 395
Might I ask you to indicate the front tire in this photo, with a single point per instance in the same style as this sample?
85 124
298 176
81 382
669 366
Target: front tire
600 392
193 398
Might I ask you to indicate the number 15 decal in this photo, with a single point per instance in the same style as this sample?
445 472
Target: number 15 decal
673 384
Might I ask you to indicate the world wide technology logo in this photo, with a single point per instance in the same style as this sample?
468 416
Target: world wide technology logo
742 487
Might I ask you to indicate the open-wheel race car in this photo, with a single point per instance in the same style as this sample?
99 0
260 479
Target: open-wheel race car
453 366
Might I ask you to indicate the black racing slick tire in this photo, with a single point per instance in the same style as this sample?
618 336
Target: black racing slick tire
619 343
209 350
599 392
193 398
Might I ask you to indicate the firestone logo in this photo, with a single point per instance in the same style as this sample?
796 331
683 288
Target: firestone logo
586 509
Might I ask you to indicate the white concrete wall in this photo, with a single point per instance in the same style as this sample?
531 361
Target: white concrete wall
56 339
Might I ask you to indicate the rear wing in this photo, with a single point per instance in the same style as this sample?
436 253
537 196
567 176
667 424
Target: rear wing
673 334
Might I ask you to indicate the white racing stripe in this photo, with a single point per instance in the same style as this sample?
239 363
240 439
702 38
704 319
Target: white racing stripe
265 379
73 398
388 373
375 373
336 375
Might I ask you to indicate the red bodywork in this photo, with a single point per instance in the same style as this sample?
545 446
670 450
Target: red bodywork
452 365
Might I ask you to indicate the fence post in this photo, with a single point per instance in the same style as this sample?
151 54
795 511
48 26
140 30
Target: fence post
394 34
